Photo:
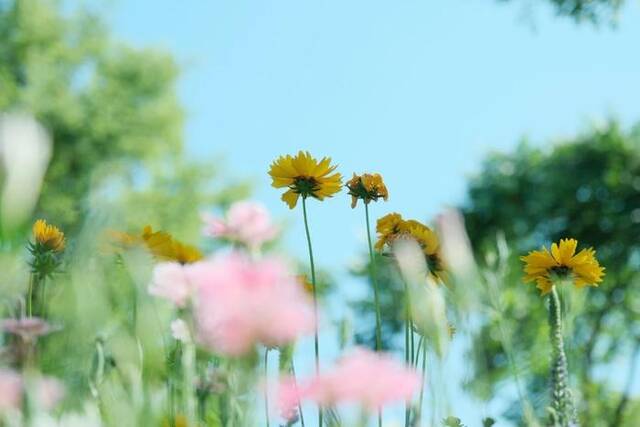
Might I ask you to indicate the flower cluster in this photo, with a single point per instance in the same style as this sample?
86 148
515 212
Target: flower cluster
368 379
247 223
238 302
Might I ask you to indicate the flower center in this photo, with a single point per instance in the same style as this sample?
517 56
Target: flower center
561 271
305 186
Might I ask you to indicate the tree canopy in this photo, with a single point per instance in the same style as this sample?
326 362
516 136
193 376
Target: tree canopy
587 188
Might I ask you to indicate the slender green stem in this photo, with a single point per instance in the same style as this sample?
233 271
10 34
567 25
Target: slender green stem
315 296
30 296
407 343
563 412
374 281
376 299
293 372
266 385
424 377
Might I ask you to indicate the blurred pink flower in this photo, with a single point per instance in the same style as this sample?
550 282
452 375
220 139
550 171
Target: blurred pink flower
10 390
363 377
241 303
27 328
246 222
49 392
171 283
180 331
289 396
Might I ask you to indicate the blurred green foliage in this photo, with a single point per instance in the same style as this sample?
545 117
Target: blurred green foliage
587 188
591 10
112 111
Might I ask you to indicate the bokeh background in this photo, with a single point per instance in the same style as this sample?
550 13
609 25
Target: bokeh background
521 113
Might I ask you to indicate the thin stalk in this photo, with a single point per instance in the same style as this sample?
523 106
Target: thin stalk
266 386
374 281
316 341
293 372
424 377
563 412
30 296
407 343
376 299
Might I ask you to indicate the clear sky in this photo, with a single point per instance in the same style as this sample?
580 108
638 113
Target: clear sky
418 90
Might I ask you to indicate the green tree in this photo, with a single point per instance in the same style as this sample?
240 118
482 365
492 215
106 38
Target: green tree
587 188
103 102
591 10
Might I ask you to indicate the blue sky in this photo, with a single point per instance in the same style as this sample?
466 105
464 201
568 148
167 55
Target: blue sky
419 90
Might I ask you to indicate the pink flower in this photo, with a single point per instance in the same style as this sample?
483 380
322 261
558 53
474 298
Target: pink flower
49 392
10 390
368 379
171 283
241 303
180 331
289 396
246 222
27 328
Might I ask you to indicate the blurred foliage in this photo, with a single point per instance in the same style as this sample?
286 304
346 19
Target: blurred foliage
112 111
587 188
391 295
591 10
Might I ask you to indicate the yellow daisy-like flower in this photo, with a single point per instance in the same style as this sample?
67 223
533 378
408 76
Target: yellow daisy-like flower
367 187
562 263
430 244
389 227
48 236
304 176
160 244
185 254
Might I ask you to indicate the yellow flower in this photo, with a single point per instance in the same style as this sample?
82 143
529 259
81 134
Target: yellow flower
367 187
304 176
48 236
160 244
389 227
430 244
306 284
543 267
185 254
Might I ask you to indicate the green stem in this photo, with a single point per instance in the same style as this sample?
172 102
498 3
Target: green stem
407 343
266 385
293 372
563 413
424 377
376 299
30 296
315 296
374 281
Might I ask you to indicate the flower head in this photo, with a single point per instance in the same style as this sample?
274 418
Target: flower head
242 302
304 176
389 227
392 226
159 243
27 328
363 377
367 187
48 236
246 222
170 282
10 390
562 263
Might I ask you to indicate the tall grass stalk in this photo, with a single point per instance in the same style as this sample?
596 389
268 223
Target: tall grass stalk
316 341
376 298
